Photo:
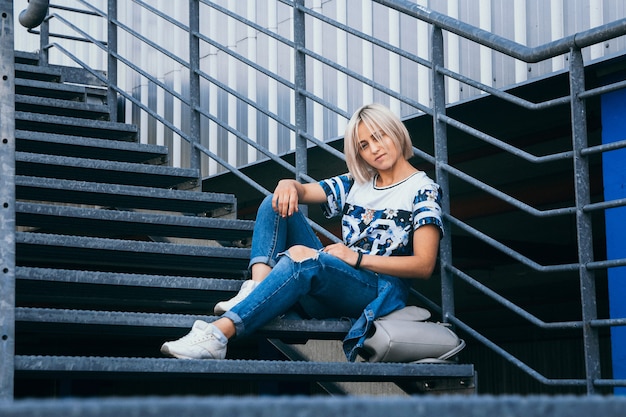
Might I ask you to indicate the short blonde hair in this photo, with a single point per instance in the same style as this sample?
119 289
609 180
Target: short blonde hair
378 119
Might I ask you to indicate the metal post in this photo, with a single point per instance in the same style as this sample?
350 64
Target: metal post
583 220
194 84
7 200
299 37
441 157
111 60
44 41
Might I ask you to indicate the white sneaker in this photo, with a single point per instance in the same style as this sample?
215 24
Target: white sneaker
204 341
245 290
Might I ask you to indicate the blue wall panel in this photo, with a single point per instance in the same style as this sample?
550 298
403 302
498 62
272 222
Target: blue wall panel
614 173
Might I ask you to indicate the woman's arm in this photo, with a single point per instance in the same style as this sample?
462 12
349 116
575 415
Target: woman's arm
289 193
419 265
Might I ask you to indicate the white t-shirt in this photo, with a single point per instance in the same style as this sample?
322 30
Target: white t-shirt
381 220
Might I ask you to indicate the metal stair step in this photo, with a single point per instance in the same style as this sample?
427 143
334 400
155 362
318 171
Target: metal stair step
78 252
85 147
244 369
95 170
121 196
283 328
75 75
75 276
74 126
106 297
52 90
57 107
103 223
80 289
36 72
28 58
125 286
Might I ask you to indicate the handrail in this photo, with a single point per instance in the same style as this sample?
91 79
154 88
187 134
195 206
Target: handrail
7 205
508 251
506 46
511 98
512 359
503 145
512 306
505 197
34 14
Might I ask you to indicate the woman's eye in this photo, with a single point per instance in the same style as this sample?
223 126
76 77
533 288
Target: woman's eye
364 145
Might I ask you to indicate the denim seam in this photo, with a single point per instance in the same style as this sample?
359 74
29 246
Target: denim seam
356 274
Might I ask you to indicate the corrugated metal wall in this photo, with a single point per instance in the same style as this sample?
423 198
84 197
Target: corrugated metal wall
529 22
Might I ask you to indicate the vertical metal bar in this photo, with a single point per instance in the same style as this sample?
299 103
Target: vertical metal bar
44 41
194 84
7 200
111 60
441 157
299 37
583 220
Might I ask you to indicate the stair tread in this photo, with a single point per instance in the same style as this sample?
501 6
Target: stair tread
119 195
50 89
300 370
38 72
29 58
68 74
130 245
124 279
75 126
58 107
65 167
279 328
33 249
75 121
87 147
81 289
78 219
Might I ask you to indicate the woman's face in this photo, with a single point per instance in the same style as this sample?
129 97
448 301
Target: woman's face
381 154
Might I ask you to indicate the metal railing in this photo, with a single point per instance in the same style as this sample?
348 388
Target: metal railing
298 124
7 202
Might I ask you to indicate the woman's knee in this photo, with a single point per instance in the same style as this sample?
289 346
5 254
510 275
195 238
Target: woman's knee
299 253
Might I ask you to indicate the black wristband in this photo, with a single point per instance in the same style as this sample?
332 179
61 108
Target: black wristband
357 265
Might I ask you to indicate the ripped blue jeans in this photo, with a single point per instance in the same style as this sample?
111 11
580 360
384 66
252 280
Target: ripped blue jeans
322 286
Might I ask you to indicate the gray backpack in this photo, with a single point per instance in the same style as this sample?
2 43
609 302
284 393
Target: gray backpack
406 336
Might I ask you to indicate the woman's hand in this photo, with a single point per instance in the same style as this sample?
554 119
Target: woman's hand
418 265
285 200
341 251
289 193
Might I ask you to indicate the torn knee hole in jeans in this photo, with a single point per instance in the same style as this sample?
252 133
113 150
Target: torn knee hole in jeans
300 255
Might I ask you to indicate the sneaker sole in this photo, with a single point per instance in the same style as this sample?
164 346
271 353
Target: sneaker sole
166 351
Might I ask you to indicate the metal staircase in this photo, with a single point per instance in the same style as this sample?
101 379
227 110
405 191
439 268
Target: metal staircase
116 253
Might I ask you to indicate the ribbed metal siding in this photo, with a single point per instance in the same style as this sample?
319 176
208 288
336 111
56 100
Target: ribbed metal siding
529 22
